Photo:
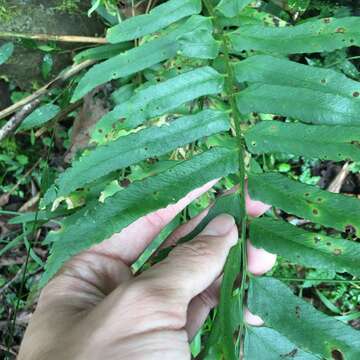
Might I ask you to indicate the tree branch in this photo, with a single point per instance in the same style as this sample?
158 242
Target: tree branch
28 104
65 75
57 38
16 120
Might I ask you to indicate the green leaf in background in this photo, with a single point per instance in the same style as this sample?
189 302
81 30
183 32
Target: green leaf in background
307 105
40 116
47 65
309 329
139 58
6 51
198 44
156 100
109 14
298 5
102 52
123 93
309 202
159 17
128 150
311 36
264 343
231 8
99 221
304 247
265 69
311 141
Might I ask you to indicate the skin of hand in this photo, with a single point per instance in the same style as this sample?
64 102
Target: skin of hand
96 309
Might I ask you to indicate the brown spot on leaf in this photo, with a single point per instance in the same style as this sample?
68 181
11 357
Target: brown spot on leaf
337 252
327 20
315 212
290 354
328 243
356 94
337 354
297 311
323 81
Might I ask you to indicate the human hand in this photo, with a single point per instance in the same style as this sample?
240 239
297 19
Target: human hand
95 309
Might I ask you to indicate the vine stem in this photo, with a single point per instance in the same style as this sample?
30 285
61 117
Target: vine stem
56 38
230 93
334 281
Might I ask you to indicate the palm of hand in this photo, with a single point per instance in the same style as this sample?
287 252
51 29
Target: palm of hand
95 309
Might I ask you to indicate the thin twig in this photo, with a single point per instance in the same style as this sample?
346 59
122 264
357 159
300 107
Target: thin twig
57 38
148 6
30 203
12 281
337 183
17 119
62 77
9 351
334 281
18 183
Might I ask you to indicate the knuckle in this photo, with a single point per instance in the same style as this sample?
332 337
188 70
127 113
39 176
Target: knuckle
159 303
197 249
155 219
209 298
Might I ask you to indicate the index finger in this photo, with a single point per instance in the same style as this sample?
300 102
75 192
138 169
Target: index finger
129 244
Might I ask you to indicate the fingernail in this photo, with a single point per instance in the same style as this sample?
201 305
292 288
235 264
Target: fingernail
252 319
221 225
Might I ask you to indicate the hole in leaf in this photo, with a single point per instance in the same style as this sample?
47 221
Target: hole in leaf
317 239
337 252
125 183
356 94
337 354
253 143
349 229
340 30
